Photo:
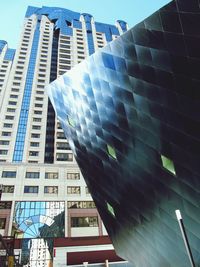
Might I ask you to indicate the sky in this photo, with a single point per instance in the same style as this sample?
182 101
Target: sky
108 11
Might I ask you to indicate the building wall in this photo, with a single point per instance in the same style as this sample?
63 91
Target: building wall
32 142
57 189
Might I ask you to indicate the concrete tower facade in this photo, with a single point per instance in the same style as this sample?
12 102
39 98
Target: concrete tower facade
39 175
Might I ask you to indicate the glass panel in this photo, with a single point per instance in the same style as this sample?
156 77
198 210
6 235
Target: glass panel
168 164
110 209
71 121
111 151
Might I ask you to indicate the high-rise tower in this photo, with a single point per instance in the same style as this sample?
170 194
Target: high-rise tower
135 108
44 194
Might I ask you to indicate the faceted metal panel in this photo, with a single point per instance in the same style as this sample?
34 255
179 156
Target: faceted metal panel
131 114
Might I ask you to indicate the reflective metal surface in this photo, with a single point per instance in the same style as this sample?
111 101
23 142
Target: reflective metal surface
131 115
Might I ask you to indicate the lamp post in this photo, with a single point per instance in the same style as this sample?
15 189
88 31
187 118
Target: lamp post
184 236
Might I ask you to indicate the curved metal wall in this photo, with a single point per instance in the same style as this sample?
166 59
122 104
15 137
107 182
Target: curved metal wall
131 114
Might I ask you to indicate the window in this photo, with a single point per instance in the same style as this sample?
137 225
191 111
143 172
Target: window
37 119
18 72
4 142
73 175
17 84
4 66
62 145
110 209
168 164
60 136
8 117
81 205
51 189
6 134
3 152
33 175
8 189
84 221
111 152
36 127
5 205
37 112
64 157
39 98
81 53
73 190
9 174
34 144
64 61
51 175
20 67
2 223
11 109
44 52
31 189
33 153
44 56
7 125
38 105
15 90
13 96
33 135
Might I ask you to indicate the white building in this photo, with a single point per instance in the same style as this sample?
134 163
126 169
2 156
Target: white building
36 163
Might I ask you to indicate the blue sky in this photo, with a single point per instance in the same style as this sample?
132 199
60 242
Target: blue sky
108 11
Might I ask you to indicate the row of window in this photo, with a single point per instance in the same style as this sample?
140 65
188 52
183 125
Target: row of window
52 189
36 175
71 190
59 156
81 205
89 221
70 204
